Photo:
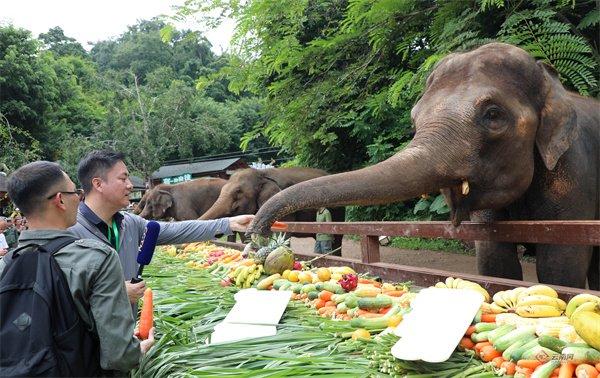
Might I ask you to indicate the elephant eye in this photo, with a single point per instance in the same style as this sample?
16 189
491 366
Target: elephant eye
493 113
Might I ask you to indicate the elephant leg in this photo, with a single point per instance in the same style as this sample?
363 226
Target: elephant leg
337 243
563 265
493 258
594 270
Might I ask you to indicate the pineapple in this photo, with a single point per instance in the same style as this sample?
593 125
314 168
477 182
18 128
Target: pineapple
276 241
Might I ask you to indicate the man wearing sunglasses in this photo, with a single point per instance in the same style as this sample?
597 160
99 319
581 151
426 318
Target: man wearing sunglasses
47 196
105 180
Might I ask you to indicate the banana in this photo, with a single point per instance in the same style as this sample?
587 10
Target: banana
496 309
457 282
441 285
587 325
587 306
235 272
509 298
537 311
542 290
475 286
499 300
518 292
578 300
449 282
242 276
542 300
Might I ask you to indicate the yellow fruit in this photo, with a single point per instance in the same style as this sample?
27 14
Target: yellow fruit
578 300
324 274
293 276
540 290
304 277
537 311
286 274
361 333
336 277
587 325
394 320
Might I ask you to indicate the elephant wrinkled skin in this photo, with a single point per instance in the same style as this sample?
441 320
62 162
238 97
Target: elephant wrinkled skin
502 139
184 201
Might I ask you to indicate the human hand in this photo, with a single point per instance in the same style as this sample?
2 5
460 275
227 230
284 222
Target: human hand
240 223
135 290
3 251
145 345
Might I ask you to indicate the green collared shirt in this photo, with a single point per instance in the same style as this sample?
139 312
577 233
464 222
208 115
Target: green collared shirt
323 216
95 279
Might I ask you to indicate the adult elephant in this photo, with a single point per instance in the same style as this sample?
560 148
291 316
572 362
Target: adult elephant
247 190
184 201
502 138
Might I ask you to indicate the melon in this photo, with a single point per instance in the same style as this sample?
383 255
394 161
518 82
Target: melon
279 260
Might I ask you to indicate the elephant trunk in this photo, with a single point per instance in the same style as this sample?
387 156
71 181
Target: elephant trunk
405 175
215 211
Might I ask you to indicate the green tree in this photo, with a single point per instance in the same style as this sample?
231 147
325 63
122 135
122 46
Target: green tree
56 41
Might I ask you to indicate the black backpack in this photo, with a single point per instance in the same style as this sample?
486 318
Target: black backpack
40 329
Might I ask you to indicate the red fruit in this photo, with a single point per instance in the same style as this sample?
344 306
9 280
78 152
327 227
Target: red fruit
349 282
225 282
297 265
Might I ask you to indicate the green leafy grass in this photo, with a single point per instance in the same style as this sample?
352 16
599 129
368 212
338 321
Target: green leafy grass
446 245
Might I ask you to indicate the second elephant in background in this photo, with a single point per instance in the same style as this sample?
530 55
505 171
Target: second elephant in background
184 201
246 191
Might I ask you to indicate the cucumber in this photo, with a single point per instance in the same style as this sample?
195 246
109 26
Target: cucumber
342 308
308 288
351 301
509 351
339 298
333 287
296 287
285 286
518 353
319 286
581 355
479 337
369 303
502 343
499 332
374 323
545 370
540 353
482 327
313 295
277 283
552 343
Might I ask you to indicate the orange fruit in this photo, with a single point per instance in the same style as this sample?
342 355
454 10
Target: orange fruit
324 274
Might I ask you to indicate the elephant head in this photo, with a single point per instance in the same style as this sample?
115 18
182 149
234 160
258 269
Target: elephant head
478 122
247 190
157 204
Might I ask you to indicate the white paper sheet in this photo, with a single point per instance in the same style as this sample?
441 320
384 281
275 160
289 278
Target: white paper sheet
437 314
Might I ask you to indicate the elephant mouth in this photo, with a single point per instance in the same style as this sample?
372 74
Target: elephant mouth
457 198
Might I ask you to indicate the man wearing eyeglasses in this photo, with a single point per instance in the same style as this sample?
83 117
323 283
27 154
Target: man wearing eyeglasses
47 196
105 180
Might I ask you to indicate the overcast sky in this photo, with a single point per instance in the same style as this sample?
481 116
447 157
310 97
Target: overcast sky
92 21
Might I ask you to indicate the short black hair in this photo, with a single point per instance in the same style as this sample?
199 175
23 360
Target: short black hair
30 185
96 164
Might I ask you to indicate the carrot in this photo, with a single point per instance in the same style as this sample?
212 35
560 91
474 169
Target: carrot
488 318
466 343
147 315
488 353
319 303
598 366
394 293
279 226
566 370
325 309
325 295
470 330
586 371
330 303
529 364
384 310
509 367
555 372
480 346
497 361
525 372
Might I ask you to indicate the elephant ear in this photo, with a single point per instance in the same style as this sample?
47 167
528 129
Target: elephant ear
268 189
164 200
558 119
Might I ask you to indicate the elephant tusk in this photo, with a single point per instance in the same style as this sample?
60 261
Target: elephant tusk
465 187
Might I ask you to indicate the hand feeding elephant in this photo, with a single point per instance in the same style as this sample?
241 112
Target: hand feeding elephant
502 139
184 201
247 190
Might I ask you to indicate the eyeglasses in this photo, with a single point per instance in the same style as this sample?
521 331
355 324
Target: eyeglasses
79 193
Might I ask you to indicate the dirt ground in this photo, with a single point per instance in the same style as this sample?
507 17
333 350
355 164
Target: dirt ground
422 258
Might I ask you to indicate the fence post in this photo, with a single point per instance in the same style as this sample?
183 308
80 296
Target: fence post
369 248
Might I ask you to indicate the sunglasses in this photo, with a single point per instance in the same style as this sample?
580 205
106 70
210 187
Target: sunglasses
79 193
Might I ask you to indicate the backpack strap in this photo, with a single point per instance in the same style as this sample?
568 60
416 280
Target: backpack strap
57 244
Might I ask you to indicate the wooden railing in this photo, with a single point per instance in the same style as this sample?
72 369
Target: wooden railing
547 232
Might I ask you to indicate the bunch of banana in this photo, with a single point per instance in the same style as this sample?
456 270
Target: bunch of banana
581 302
459 283
244 276
539 301
505 300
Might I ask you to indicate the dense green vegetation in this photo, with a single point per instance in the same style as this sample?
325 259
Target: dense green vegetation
330 82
